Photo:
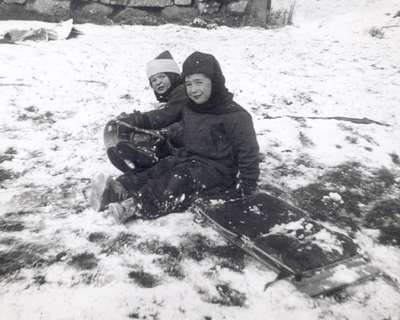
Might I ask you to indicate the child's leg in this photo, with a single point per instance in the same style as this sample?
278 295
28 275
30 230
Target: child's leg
133 181
175 188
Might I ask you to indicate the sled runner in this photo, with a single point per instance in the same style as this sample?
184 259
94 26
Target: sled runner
315 259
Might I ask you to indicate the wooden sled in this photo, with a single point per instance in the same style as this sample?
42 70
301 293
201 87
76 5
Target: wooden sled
315 259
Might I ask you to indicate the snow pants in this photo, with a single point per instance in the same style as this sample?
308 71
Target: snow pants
171 184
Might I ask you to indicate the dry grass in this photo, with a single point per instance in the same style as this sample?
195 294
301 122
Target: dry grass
281 17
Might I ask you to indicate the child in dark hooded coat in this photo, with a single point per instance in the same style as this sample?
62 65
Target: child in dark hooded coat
220 150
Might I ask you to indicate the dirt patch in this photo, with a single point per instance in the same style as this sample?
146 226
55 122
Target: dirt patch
227 296
8 241
314 199
390 235
196 246
395 158
304 160
97 237
169 259
345 195
231 257
32 113
7 175
8 155
7 225
384 213
121 243
84 261
20 213
285 170
305 140
230 296
199 247
144 279
20 255
39 280
170 266
385 216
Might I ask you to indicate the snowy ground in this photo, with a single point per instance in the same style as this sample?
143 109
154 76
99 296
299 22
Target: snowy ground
61 260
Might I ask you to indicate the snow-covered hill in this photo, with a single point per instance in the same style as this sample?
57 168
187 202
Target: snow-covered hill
304 85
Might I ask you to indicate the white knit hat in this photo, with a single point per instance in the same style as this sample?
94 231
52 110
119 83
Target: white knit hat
164 62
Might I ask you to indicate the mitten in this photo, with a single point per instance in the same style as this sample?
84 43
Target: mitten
248 188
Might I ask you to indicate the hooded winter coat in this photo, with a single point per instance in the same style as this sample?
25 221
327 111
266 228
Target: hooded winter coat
219 133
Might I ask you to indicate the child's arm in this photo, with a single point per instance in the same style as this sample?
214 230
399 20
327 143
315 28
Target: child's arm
171 113
158 119
246 151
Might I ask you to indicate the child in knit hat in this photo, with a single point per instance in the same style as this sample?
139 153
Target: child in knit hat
164 75
129 149
219 153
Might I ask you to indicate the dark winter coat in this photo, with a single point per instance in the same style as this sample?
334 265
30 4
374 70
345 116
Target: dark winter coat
224 139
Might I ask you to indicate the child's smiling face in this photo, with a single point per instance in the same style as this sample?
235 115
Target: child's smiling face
198 87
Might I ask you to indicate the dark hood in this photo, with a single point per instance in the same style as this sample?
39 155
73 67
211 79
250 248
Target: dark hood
220 99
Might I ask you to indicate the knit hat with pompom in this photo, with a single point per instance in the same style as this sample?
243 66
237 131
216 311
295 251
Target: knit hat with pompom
163 63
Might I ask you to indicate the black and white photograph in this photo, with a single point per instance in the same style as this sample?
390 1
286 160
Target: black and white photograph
200 159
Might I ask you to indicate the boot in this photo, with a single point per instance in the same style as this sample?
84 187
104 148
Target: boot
122 211
117 161
106 190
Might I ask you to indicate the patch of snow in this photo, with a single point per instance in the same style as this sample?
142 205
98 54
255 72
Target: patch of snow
327 241
215 202
333 196
290 227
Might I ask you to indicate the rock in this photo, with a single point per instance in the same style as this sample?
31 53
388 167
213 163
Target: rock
179 14
84 261
140 3
14 1
17 12
96 9
237 7
258 13
144 279
208 7
93 12
136 16
201 23
183 2
58 9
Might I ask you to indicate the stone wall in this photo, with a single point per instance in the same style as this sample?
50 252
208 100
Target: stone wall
202 13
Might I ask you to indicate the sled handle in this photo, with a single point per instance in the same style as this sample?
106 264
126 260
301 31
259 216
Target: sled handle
141 130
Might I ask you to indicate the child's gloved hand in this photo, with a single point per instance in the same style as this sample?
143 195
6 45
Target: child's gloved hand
248 189
134 119
122 115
